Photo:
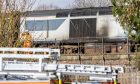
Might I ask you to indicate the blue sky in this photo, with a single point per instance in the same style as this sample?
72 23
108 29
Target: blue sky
60 3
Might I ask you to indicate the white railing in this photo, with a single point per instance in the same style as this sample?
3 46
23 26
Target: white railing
10 60
85 69
95 72
37 51
17 54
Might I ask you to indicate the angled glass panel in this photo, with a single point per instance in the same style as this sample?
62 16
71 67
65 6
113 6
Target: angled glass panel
37 25
55 24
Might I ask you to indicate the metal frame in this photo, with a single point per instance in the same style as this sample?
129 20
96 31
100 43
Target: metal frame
44 69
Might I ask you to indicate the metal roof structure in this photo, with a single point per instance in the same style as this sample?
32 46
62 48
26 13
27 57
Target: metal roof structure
72 12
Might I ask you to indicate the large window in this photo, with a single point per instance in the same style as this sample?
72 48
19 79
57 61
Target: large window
36 25
54 24
41 25
85 27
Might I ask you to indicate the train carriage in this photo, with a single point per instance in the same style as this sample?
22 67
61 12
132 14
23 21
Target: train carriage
64 24
68 27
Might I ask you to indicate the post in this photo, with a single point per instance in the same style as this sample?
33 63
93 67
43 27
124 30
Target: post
76 80
137 79
128 51
79 56
47 28
0 63
40 65
103 51
115 81
59 78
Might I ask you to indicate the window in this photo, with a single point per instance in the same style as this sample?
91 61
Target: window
83 27
54 24
41 25
62 14
38 25
84 12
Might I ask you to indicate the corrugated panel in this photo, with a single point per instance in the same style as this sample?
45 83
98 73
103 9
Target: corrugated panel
83 28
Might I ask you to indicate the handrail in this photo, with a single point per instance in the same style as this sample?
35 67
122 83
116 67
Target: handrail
27 53
36 51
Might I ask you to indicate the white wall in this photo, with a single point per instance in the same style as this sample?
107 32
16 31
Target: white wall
113 27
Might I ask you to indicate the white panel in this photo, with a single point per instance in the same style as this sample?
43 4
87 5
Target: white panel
61 33
109 27
50 67
101 78
23 67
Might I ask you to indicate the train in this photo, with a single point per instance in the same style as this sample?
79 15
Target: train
69 28
65 24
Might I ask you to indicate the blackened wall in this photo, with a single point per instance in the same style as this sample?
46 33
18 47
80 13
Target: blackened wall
83 27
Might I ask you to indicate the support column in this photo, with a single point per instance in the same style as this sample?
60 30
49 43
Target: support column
59 78
115 81
40 65
0 63
103 58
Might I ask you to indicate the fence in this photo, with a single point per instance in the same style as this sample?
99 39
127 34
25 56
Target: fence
99 48
96 45
102 51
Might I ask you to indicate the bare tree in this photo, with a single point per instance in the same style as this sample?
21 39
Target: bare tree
11 12
47 7
91 3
